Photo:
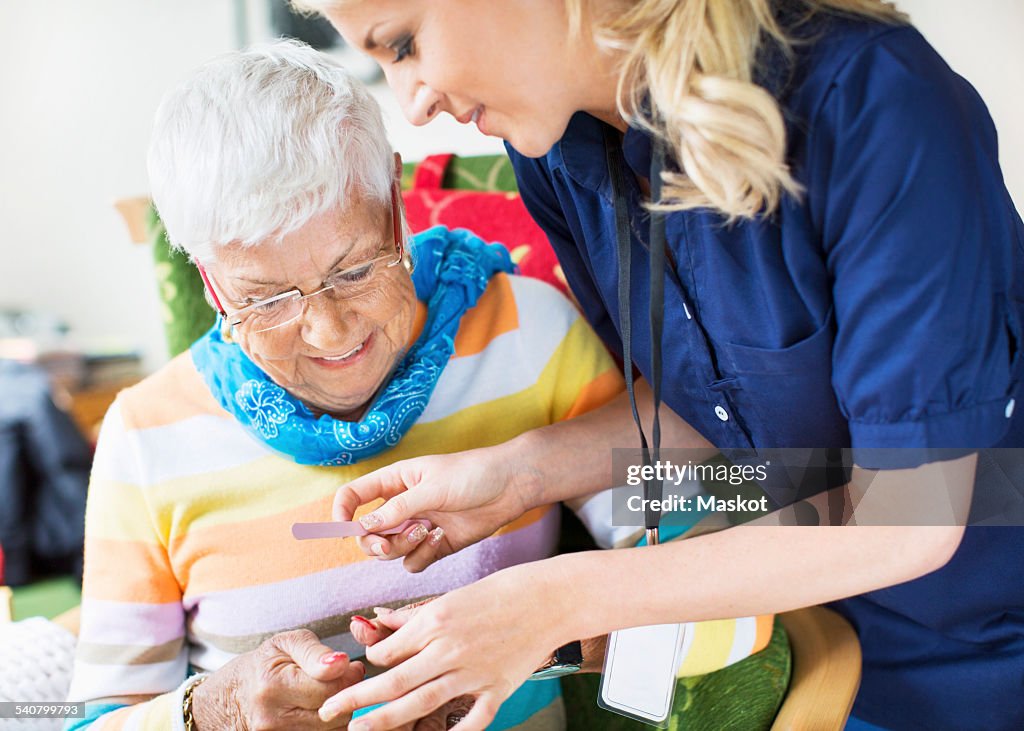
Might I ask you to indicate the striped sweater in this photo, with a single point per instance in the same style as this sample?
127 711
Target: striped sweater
189 559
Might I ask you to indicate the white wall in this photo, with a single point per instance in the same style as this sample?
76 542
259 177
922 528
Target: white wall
983 41
79 82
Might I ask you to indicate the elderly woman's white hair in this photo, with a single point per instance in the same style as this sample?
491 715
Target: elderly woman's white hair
257 142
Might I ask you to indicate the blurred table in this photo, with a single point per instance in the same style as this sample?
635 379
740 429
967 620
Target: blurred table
87 406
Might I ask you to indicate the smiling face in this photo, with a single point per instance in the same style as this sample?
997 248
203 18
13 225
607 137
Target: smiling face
338 353
510 67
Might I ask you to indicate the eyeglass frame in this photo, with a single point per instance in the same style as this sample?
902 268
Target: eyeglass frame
399 240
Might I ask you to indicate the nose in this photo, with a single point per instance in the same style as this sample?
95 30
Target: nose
420 103
325 324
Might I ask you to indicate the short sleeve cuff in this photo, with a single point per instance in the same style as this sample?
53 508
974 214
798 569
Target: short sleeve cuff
178 697
907 444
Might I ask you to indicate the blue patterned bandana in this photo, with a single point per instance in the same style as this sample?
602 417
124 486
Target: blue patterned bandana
452 271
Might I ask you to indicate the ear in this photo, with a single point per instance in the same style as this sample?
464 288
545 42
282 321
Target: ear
398 169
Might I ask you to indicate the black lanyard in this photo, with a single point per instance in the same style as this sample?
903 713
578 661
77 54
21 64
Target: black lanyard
651 454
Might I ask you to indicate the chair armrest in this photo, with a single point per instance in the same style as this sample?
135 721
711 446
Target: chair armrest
826 671
6 597
134 211
70 620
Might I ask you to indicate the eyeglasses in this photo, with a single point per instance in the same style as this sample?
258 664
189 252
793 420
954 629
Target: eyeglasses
285 308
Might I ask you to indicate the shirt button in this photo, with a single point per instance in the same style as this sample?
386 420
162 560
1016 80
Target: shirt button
721 413
1009 408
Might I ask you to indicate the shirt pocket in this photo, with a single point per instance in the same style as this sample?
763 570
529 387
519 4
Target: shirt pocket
785 395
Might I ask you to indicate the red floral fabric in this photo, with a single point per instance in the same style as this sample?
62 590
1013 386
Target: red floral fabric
493 216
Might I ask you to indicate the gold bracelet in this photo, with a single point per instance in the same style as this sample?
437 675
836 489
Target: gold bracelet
186 702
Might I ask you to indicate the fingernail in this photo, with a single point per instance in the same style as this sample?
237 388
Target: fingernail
435 536
358 725
378 549
383 611
371 521
332 657
328 711
365 622
417 534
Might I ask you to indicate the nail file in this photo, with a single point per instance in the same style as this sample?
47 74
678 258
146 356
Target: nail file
346 529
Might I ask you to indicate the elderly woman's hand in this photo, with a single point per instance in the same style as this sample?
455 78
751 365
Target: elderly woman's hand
466 495
279 685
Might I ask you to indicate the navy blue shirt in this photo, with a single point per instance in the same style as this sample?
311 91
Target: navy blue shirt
881 309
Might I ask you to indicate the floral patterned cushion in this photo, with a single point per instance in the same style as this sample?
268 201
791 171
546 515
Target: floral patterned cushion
493 215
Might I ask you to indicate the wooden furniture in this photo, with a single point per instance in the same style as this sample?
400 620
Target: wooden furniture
134 212
6 607
70 620
88 406
826 671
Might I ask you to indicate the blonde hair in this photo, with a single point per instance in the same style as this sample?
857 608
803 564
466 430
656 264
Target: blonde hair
687 76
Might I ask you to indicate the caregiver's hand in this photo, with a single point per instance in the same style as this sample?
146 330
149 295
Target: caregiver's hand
467 642
387 621
370 632
466 495
279 685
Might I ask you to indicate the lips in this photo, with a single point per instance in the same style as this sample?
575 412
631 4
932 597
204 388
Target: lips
348 358
472 116
478 119
347 355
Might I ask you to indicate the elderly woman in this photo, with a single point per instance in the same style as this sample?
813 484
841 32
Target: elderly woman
333 356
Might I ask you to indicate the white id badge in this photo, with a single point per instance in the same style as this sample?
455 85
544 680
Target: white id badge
639 676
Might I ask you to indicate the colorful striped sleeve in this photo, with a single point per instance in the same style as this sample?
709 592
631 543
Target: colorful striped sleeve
131 655
580 375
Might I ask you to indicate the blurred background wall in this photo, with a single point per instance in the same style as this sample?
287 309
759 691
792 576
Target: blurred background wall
80 81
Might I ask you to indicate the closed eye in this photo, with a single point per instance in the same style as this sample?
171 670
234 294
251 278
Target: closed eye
402 47
353 275
267 304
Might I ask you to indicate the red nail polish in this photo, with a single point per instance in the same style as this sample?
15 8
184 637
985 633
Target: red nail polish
333 657
365 622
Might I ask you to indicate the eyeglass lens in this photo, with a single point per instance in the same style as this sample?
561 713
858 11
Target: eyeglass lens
344 285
